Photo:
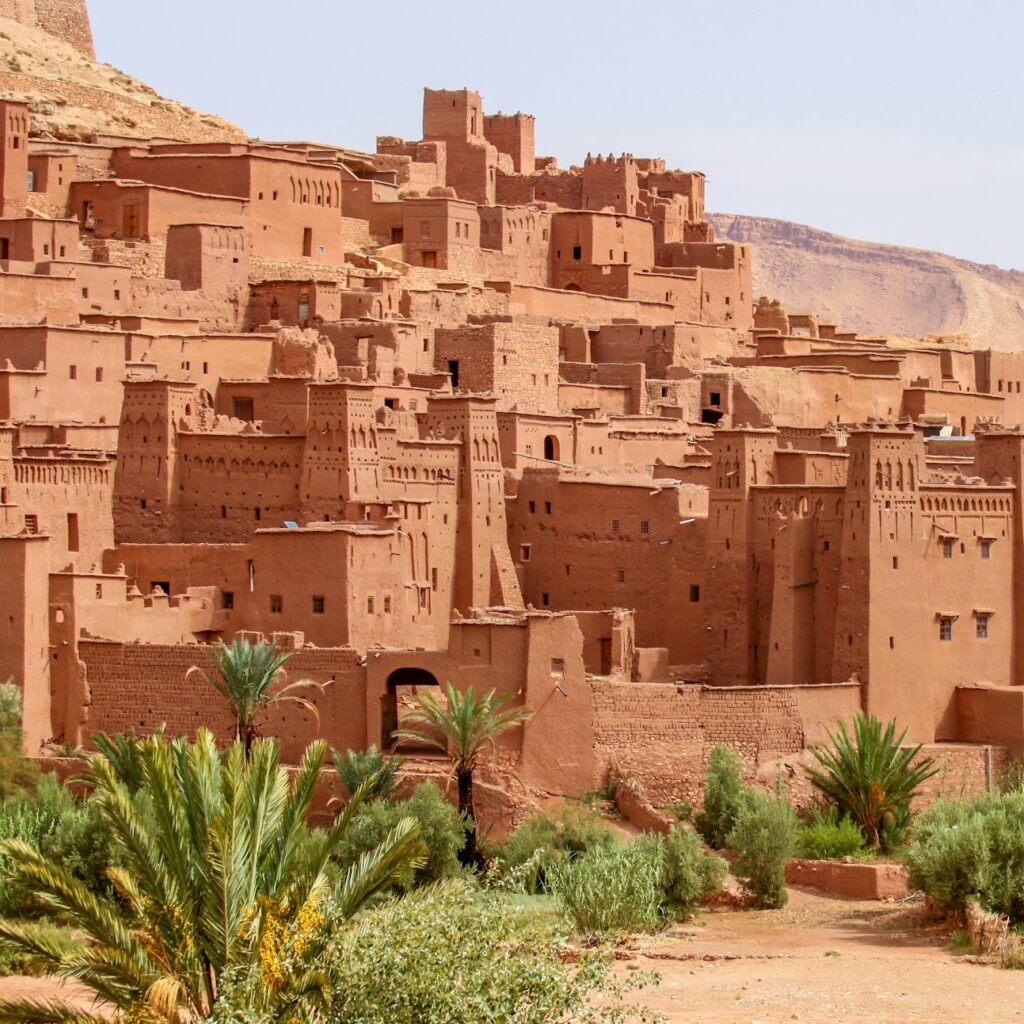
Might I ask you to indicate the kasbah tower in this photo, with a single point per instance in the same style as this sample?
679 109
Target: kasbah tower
449 412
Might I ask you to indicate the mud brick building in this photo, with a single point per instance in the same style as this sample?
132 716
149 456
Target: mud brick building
448 412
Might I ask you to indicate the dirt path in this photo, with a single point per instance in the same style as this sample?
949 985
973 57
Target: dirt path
49 989
823 961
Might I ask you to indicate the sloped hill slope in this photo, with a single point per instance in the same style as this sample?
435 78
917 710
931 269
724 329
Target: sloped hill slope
74 98
880 289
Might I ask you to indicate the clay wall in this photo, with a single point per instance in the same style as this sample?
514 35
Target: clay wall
29 298
518 362
662 734
81 379
123 210
441 233
513 134
959 408
593 544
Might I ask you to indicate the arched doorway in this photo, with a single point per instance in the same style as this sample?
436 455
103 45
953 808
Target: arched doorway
403 686
551 448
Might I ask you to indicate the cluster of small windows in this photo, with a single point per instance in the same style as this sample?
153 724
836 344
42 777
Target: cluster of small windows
946 626
948 545
1010 386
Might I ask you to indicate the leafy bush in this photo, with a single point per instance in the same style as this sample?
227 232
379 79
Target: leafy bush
17 772
442 832
612 892
681 812
20 819
723 795
872 777
763 839
544 840
449 954
355 767
688 874
830 836
19 962
972 850
637 887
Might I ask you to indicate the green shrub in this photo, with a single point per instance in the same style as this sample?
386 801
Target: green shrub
872 777
355 767
681 812
441 830
723 795
67 831
830 836
763 839
17 772
449 955
544 840
14 961
689 875
966 850
613 892
80 842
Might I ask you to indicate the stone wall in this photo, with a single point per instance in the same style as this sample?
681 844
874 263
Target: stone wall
661 734
65 19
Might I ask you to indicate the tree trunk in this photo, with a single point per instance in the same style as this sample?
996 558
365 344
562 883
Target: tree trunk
469 855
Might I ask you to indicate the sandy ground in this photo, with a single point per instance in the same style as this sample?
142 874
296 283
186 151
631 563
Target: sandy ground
48 990
824 961
820 961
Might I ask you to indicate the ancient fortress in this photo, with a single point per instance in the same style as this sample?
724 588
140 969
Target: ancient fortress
450 412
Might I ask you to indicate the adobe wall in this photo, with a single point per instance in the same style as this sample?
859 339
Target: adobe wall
662 734
142 686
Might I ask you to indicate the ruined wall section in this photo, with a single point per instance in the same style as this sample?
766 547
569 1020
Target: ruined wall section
65 19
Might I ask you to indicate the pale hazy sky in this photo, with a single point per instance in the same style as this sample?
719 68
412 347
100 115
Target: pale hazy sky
890 120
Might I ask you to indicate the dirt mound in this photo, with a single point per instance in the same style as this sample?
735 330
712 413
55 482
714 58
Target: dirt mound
872 288
73 98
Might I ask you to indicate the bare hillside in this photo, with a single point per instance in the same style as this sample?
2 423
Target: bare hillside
74 98
880 289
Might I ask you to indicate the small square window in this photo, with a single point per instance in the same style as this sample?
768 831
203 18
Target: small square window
532 506
99 374
645 526
694 593
947 549
276 604
228 600
577 252
620 575
547 508
369 606
981 627
986 549
72 372
318 604
99 591
544 600
524 552
945 628
387 604
31 523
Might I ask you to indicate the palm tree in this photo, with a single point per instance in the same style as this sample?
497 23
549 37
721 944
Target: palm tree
354 767
219 877
871 775
462 729
245 675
